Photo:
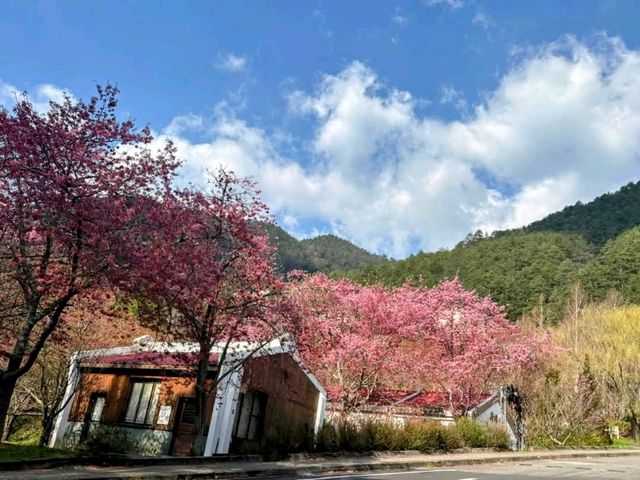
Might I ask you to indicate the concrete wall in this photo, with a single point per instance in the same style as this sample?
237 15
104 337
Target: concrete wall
495 413
140 441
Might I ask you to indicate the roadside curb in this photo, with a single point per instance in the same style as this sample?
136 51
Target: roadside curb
292 469
115 460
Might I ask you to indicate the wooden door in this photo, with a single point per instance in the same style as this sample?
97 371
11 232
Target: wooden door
184 426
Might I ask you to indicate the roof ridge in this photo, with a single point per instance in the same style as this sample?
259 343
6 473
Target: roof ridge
411 396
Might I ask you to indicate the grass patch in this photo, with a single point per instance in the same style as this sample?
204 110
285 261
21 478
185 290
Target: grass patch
625 443
15 452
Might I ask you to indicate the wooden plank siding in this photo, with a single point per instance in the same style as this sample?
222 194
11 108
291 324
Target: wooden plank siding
292 398
117 383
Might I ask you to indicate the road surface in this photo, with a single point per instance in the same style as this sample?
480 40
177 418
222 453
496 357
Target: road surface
603 468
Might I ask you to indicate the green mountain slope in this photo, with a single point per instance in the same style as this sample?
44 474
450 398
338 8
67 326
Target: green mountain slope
598 221
532 268
616 268
519 270
324 253
524 270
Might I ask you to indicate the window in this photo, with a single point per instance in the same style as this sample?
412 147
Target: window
98 406
250 417
142 402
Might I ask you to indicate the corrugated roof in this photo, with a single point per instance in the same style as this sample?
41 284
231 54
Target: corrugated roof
175 360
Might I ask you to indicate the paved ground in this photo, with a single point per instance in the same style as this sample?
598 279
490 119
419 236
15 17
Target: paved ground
611 468
580 464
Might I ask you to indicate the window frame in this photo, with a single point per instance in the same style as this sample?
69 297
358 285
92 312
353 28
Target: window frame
151 403
254 428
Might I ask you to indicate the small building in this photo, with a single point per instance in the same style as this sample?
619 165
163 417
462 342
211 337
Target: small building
401 406
146 392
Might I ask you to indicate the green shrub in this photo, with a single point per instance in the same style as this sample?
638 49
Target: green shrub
108 439
589 438
26 430
287 440
431 437
349 437
328 440
284 441
426 436
388 436
497 437
470 432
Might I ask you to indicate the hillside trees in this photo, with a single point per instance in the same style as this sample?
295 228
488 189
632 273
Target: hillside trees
72 182
206 275
617 268
324 253
608 339
598 221
520 271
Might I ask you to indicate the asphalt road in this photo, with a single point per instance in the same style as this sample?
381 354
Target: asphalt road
603 468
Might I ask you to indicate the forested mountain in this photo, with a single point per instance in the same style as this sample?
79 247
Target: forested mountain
599 220
324 253
532 268
519 270
525 270
616 268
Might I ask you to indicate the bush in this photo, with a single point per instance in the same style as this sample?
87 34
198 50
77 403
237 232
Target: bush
328 440
431 437
26 430
425 436
497 438
349 437
107 439
471 433
283 441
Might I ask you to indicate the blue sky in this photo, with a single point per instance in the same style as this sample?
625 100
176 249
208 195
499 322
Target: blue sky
398 125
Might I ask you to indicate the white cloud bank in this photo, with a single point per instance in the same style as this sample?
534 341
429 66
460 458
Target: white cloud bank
562 125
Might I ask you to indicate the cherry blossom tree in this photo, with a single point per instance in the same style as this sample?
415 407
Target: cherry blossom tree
466 345
352 336
361 338
72 184
207 276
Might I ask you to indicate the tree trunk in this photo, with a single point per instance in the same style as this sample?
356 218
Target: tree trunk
198 444
47 428
6 432
635 425
6 392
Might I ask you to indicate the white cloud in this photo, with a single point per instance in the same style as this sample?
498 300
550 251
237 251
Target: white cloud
399 18
455 4
232 63
483 20
562 125
40 96
8 94
453 96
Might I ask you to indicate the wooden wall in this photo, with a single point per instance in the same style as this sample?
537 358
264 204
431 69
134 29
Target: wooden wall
292 398
117 386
